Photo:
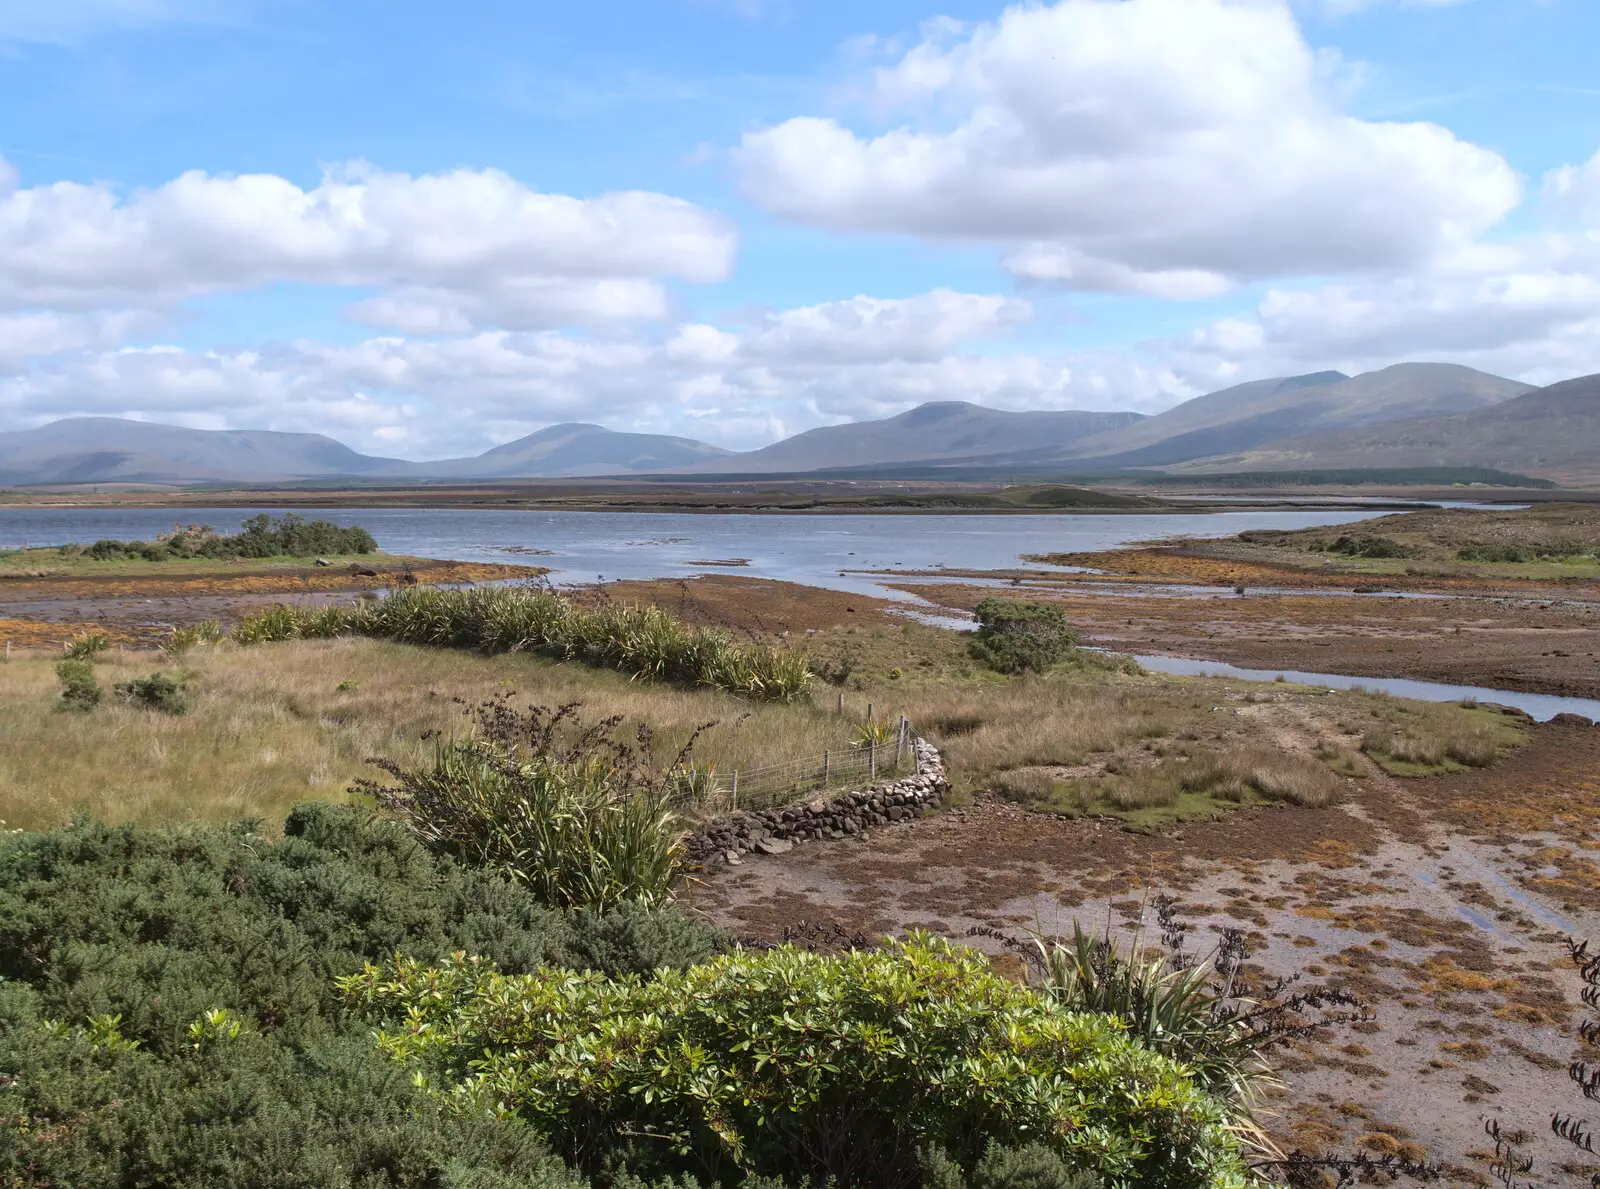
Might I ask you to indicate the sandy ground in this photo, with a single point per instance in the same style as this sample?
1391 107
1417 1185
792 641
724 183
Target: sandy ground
1443 903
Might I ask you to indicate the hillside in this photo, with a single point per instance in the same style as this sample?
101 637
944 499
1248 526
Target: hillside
1551 433
576 449
941 430
115 450
1264 411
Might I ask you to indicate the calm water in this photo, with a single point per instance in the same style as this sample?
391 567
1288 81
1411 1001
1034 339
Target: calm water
590 546
1542 707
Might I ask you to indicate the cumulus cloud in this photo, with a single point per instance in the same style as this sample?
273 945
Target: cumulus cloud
1167 147
449 250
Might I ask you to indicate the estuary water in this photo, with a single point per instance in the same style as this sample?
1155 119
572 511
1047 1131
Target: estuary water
582 547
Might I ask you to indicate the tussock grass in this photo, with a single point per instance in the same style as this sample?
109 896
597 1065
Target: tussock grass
269 727
643 640
1422 739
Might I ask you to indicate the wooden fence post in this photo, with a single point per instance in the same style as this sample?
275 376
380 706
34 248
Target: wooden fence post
872 759
841 703
824 769
736 789
869 712
900 743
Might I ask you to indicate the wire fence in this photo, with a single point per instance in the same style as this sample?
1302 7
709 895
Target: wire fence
710 793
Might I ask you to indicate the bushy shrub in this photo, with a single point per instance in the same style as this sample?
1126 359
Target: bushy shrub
789 1063
80 690
159 691
1015 636
569 811
193 636
1373 547
115 942
261 536
642 640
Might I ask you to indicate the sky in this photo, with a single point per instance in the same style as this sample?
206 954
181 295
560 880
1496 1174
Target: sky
428 229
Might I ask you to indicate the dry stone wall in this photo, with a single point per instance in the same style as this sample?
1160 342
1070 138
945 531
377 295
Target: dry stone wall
777 831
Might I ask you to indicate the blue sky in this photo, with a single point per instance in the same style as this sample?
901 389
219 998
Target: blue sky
391 222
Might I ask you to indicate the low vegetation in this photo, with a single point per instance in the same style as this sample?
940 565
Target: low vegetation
168 1012
267 728
786 1063
643 640
260 536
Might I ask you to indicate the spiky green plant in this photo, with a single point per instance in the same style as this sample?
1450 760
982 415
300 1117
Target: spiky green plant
88 645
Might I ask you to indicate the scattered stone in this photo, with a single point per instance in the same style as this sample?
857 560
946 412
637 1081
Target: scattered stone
774 846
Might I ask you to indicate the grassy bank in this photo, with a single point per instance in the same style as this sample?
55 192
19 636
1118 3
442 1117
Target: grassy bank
272 725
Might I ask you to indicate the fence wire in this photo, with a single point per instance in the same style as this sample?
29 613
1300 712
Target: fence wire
711 794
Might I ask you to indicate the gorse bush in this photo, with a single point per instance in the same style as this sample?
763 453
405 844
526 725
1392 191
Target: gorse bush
80 690
261 536
789 1063
1017 637
645 641
574 814
168 1012
159 691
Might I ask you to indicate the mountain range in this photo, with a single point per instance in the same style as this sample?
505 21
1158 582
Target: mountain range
1411 414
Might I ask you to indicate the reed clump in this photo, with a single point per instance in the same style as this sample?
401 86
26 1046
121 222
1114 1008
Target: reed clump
642 640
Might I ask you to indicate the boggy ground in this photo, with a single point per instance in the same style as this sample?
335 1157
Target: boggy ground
1442 902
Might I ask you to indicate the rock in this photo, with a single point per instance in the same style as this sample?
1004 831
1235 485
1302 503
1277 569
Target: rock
733 859
1570 720
322 561
774 846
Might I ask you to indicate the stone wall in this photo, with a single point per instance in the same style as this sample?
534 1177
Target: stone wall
776 831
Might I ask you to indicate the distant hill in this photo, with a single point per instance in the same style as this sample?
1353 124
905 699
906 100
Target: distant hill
939 431
1254 414
577 449
1551 433
114 450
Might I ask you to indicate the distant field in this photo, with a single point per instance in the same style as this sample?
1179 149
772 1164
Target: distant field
52 562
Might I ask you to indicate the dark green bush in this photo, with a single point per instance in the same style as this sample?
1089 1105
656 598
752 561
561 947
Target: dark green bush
1373 547
80 690
1015 636
159 691
117 941
261 536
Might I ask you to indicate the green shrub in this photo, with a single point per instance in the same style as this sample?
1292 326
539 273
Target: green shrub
1032 1166
1015 636
261 536
567 810
185 638
1374 547
80 690
789 1063
642 640
88 645
160 929
159 691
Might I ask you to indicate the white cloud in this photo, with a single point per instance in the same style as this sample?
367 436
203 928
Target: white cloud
448 250
1574 190
1170 147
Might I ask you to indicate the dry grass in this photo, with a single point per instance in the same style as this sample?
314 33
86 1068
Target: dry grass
1423 739
275 725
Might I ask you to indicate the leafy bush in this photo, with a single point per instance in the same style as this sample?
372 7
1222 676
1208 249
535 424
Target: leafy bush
119 946
1016 636
642 640
79 689
1031 1166
159 691
789 1063
261 536
568 811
